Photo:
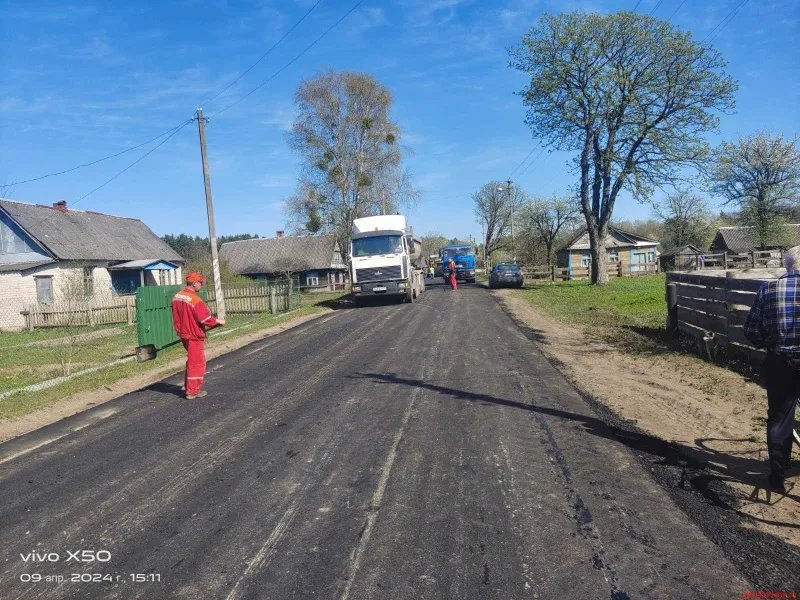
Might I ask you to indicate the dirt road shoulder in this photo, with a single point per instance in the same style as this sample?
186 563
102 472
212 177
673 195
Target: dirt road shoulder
713 415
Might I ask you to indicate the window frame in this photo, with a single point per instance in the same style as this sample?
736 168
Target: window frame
49 280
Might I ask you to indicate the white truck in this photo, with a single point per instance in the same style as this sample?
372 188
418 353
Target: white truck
385 259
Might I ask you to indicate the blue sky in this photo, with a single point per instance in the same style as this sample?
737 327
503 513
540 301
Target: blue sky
85 80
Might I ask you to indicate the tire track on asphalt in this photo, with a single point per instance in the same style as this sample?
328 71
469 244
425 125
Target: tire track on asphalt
137 516
298 495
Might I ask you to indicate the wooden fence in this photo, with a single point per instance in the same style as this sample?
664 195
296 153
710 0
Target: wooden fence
80 313
239 299
712 309
553 273
729 260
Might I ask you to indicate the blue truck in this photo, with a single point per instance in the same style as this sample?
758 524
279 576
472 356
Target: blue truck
464 257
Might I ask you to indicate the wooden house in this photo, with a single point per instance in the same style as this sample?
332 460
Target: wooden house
313 261
634 252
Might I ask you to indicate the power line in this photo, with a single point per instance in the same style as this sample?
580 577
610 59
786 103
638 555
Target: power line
514 170
675 12
263 56
138 160
722 24
288 64
99 160
655 8
636 5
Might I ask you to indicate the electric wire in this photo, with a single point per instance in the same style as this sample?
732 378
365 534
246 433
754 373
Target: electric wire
94 162
527 156
288 64
263 56
655 8
137 161
722 24
675 12
636 5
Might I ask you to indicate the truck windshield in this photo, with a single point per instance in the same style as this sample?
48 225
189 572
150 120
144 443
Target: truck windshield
379 244
461 251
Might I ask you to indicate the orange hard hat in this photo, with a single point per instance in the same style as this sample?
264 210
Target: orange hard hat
195 277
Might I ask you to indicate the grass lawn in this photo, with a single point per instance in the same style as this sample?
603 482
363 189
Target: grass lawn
626 305
23 366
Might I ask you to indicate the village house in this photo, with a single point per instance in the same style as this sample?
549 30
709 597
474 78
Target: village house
741 239
633 251
48 251
682 258
313 261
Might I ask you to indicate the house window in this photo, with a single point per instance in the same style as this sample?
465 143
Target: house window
88 282
613 256
10 242
44 289
586 260
651 257
312 278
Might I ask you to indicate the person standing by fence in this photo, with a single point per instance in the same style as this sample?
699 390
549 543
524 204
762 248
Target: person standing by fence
191 319
774 324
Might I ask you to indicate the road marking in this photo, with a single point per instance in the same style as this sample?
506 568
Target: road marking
32 448
377 499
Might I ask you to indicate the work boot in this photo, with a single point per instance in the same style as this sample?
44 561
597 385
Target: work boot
199 394
777 483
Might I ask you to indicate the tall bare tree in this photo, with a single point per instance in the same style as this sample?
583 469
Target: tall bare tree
686 219
493 207
631 94
352 158
761 175
545 220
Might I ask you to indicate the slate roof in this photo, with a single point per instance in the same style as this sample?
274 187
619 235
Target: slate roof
617 238
744 239
87 235
687 249
271 255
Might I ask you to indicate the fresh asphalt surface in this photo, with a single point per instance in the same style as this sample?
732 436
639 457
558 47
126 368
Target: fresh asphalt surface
392 451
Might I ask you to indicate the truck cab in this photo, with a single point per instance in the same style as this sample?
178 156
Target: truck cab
383 259
464 257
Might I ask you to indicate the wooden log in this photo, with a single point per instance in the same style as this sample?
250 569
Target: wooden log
686 290
718 309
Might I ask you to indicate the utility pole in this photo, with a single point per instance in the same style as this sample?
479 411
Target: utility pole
201 126
511 206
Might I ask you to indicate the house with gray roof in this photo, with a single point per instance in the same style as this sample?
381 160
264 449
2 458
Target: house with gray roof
313 261
741 239
45 249
634 251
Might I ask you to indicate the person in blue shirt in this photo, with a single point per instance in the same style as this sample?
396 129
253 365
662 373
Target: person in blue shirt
774 324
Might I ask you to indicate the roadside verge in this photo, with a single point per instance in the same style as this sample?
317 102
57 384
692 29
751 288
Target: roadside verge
136 377
713 416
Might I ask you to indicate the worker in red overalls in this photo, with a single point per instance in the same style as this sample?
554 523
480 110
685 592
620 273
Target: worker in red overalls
191 319
451 269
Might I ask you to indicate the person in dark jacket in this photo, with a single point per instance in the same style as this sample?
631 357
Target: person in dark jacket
774 324
191 319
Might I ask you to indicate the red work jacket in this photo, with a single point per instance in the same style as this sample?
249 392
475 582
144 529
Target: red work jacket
190 315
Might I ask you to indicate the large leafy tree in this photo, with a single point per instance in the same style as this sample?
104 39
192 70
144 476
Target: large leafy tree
351 153
631 94
760 174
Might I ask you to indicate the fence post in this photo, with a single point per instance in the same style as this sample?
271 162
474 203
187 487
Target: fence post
552 273
753 258
725 259
272 304
90 313
672 310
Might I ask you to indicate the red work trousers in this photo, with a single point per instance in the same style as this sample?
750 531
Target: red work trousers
195 365
453 283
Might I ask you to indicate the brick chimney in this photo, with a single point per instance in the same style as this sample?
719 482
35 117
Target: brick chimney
60 205
280 233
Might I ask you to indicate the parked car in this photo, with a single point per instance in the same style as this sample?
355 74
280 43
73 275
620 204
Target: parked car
506 274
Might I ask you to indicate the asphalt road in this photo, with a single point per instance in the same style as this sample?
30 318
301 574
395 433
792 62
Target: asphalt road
400 451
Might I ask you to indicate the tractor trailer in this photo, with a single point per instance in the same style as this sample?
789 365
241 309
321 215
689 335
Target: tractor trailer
385 259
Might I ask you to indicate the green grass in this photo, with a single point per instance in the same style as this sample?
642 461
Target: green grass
626 305
29 365
15 339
